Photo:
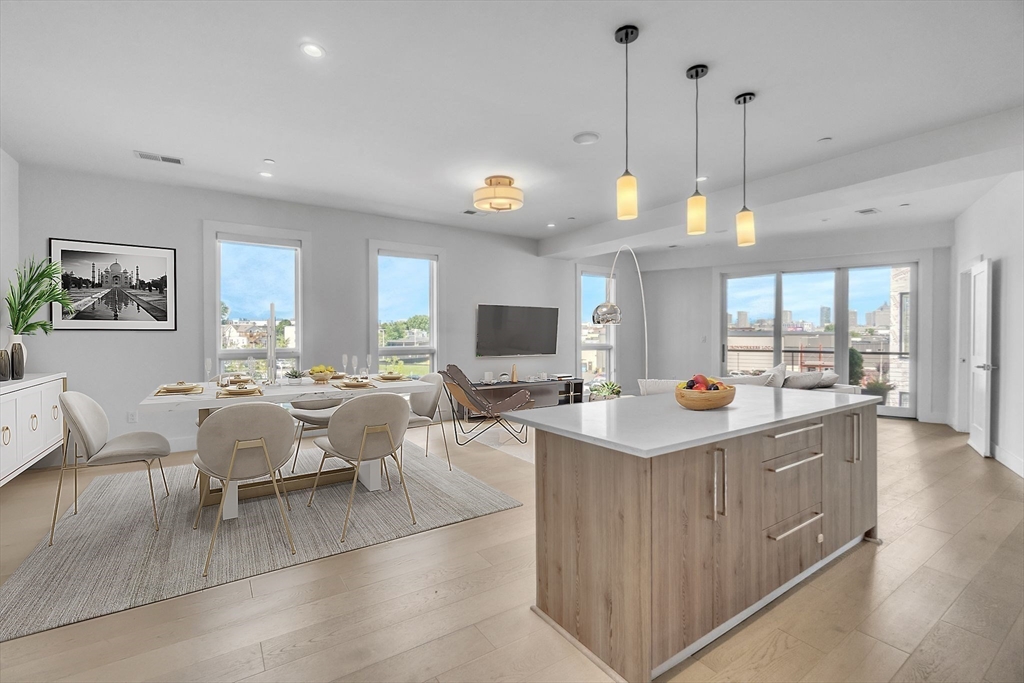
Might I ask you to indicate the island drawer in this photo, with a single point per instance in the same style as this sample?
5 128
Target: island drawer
791 483
792 438
792 546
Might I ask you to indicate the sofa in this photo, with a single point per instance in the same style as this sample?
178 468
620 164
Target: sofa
777 377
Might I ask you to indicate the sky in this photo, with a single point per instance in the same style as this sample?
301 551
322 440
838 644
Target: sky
593 293
805 293
253 276
403 287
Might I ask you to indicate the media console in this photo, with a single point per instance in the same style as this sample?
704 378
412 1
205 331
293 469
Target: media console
544 393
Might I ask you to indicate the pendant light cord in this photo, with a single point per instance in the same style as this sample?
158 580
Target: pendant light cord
696 134
744 155
627 107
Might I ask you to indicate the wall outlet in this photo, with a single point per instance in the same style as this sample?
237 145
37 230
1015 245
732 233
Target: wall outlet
133 417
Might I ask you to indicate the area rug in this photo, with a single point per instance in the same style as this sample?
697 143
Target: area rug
109 558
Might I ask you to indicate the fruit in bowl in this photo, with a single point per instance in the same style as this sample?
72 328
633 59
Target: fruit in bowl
321 374
704 393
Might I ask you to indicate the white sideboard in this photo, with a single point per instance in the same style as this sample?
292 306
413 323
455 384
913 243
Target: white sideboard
31 423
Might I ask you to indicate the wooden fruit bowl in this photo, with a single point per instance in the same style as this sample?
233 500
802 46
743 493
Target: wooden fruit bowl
705 400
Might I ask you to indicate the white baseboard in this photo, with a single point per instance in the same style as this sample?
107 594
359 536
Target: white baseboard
183 443
1012 461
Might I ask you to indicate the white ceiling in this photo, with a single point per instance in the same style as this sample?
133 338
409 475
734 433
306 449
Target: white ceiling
416 102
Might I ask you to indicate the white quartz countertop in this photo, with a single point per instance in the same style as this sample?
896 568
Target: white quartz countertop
648 426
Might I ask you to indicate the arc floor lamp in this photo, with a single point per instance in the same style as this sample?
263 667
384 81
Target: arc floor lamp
608 313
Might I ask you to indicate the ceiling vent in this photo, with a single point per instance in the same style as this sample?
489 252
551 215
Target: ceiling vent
474 212
149 156
867 212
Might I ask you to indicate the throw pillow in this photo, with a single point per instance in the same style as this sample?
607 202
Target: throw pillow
802 380
778 374
756 380
828 378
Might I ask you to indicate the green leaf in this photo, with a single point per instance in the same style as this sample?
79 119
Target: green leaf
37 284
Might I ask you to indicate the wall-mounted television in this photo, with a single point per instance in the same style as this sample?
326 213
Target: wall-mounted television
516 330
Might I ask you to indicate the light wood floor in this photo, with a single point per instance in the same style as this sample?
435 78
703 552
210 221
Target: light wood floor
941 600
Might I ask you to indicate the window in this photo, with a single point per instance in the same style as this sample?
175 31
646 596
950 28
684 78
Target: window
750 325
808 330
406 312
597 343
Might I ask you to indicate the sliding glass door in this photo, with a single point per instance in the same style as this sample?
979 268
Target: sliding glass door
857 322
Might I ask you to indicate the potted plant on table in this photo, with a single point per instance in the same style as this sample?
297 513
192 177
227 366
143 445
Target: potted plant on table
294 376
604 391
36 284
879 387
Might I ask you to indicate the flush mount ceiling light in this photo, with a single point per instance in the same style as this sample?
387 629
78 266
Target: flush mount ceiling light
745 218
313 50
266 174
697 204
498 195
625 187
587 137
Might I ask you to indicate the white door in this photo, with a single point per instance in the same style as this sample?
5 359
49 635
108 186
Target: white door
980 358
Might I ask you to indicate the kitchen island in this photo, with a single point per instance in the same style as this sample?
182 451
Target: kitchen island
659 528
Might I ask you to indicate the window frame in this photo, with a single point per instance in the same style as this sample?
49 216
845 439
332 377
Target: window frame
610 345
378 248
216 231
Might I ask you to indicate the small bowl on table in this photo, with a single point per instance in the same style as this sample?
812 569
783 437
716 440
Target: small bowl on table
692 399
321 377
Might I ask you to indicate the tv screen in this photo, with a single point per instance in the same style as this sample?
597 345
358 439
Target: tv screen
516 330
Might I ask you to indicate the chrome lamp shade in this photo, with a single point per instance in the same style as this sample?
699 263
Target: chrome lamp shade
607 314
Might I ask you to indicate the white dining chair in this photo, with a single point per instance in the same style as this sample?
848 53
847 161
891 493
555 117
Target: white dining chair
242 442
88 432
311 415
364 429
423 412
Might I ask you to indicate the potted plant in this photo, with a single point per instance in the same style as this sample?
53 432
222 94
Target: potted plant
36 284
604 391
294 376
879 387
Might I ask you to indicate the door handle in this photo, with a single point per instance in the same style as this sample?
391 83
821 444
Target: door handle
798 527
859 455
987 367
725 480
714 482
791 465
853 436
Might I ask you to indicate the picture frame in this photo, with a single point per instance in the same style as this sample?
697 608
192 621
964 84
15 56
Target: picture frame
116 286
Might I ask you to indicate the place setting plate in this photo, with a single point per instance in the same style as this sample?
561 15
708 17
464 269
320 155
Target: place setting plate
179 388
240 390
390 377
353 384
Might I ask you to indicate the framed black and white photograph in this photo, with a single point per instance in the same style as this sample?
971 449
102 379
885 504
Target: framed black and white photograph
115 286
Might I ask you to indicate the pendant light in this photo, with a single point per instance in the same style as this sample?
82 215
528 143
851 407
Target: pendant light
697 204
745 218
625 187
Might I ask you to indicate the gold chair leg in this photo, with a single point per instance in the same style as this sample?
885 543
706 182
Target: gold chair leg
387 475
446 453
161 463
298 444
76 478
56 503
426 444
202 499
152 495
316 480
401 478
196 482
287 500
277 493
216 523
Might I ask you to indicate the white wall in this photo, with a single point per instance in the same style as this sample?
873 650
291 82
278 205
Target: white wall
119 368
8 235
993 228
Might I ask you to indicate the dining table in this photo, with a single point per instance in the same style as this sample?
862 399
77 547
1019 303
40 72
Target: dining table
211 399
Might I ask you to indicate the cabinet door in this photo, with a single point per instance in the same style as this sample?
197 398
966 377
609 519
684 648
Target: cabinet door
837 480
10 457
30 422
738 530
864 471
52 418
682 501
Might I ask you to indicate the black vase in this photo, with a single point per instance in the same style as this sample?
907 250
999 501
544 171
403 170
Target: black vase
17 358
5 365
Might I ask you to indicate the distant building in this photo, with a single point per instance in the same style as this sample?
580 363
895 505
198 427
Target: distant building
742 319
826 316
881 317
730 319
853 318
787 317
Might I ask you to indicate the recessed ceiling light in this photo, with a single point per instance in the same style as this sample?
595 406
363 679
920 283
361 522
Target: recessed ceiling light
313 50
266 174
824 220
571 218
587 137
269 161
824 139
904 204
702 179
672 246
551 225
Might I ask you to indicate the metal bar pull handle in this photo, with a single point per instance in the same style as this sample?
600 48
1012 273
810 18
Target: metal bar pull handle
798 527
816 456
725 480
809 428
852 417
860 436
714 483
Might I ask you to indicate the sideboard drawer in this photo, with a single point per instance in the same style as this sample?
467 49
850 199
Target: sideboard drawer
52 417
30 422
791 483
791 547
792 438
